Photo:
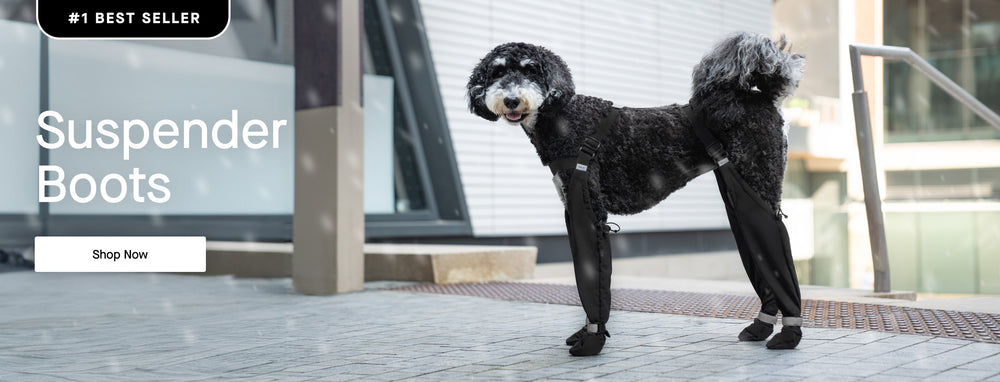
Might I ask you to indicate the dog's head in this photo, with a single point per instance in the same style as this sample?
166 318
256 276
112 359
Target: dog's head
519 81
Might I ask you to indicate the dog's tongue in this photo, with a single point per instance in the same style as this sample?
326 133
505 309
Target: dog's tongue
513 116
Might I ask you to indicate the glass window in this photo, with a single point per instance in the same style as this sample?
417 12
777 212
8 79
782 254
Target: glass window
19 104
234 194
426 196
408 180
962 40
951 184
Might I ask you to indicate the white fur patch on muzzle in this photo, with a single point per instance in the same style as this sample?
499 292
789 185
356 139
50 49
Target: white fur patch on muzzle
528 95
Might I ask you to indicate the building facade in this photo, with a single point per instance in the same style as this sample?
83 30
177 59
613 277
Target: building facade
938 162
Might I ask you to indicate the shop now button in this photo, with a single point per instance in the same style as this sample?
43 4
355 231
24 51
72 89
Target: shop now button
119 254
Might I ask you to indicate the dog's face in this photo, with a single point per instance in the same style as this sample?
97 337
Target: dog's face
518 81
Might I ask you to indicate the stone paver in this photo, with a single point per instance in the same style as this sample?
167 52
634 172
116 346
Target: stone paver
111 327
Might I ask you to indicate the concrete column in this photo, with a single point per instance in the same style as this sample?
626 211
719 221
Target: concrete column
329 220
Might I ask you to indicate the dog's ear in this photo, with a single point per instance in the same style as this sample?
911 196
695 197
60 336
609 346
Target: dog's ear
559 82
476 89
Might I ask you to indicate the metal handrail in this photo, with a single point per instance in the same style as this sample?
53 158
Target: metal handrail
918 63
866 151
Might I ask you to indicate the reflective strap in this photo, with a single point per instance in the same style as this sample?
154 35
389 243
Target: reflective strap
767 318
791 321
592 328
581 167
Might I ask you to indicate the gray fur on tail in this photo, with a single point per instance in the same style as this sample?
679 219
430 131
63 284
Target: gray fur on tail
750 60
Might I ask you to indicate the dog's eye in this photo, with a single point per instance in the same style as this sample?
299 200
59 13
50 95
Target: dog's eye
533 68
498 72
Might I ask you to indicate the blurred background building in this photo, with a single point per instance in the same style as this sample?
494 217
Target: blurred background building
434 173
939 163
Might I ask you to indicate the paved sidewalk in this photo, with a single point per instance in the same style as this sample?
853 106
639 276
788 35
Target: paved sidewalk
108 327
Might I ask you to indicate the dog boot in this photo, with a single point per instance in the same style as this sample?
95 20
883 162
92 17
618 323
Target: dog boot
590 343
573 339
789 336
757 331
760 329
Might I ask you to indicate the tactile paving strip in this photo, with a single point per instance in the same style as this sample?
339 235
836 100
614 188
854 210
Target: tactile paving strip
816 313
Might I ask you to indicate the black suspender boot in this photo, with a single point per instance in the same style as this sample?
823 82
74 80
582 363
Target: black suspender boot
762 240
589 243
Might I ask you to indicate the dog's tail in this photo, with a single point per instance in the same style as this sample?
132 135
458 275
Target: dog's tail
750 62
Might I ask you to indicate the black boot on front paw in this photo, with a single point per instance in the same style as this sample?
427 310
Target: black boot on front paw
590 343
788 338
573 339
757 331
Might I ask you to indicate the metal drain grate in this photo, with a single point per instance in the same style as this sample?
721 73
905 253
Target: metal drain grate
816 313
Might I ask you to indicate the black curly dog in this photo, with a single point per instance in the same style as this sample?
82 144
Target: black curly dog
625 160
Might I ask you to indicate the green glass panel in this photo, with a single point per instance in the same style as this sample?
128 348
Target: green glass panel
947 252
988 251
829 262
803 271
901 239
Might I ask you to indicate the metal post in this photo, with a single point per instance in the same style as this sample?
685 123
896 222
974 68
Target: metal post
869 178
43 106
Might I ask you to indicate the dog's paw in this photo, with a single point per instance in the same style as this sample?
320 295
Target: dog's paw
757 331
788 338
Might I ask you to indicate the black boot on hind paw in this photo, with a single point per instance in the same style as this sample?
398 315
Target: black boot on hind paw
590 343
788 338
757 331
573 339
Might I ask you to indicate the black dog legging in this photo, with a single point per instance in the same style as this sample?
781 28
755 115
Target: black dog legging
591 248
762 240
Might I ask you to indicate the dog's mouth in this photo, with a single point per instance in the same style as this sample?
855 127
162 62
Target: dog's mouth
515 117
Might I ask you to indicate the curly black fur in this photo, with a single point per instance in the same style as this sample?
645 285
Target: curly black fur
738 88
651 152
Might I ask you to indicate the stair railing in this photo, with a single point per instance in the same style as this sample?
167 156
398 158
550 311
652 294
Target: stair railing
866 150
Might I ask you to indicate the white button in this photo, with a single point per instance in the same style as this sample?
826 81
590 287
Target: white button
119 254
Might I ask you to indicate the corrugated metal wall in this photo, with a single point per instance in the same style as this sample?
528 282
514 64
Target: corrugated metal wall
635 53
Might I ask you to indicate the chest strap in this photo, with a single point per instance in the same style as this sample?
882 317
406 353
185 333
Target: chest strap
589 147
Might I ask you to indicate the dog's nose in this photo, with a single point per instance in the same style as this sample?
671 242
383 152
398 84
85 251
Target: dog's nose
511 102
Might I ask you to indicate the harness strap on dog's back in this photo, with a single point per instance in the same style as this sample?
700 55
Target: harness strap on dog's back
707 135
589 147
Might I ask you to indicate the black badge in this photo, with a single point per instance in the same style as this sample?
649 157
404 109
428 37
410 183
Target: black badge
122 19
